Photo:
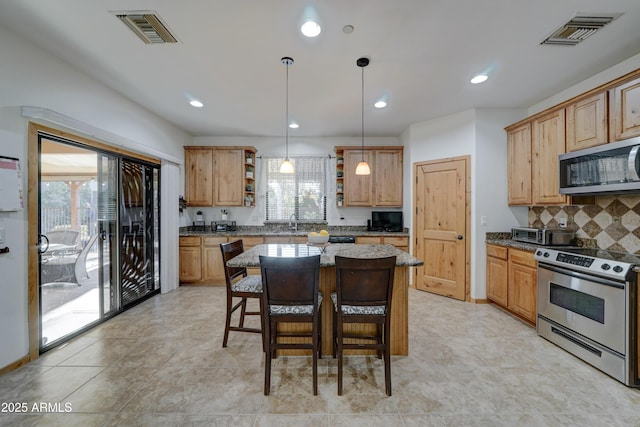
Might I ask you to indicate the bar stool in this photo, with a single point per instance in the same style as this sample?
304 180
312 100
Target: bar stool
363 295
243 288
290 294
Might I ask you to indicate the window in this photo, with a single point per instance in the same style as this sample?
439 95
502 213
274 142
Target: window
302 193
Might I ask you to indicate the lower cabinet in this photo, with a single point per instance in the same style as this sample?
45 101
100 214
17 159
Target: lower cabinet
497 274
201 259
401 243
511 280
190 256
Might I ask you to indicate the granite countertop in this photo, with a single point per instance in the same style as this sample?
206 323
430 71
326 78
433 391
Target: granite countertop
504 239
250 258
284 231
512 244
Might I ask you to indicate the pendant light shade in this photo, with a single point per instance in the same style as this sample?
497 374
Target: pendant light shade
287 166
363 167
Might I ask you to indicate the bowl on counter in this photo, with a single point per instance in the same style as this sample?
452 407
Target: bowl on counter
318 240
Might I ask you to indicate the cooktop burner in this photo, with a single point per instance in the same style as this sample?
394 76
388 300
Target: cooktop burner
613 265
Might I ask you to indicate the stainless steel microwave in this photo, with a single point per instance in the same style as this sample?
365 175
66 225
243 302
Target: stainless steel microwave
612 168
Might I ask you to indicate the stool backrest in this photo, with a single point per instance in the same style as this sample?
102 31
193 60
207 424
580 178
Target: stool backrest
365 282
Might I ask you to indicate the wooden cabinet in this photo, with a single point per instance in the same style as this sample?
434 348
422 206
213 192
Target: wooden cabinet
387 177
548 142
198 176
511 280
357 188
190 259
400 242
497 274
228 177
519 165
522 284
383 187
212 265
219 176
587 124
624 110
201 259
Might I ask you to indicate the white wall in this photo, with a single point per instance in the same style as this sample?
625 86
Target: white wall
301 146
30 76
596 80
479 134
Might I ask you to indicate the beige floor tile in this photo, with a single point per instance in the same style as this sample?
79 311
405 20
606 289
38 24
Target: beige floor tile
162 363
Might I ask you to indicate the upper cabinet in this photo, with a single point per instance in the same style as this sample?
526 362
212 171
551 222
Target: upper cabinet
625 110
228 186
387 173
198 176
219 176
610 112
519 164
383 187
587 124
547 143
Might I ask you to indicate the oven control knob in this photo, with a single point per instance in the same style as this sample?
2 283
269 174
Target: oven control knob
546 255
605 266
618 269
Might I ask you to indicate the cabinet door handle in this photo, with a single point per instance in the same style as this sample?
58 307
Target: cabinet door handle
460 237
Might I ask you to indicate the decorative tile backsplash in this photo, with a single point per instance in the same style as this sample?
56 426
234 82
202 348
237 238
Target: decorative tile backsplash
613 221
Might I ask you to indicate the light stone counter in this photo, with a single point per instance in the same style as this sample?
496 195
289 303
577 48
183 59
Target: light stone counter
399 301
250 258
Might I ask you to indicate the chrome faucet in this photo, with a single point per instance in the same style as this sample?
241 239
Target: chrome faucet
293 224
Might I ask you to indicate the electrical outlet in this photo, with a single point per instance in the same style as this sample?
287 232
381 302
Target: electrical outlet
483 220
3 236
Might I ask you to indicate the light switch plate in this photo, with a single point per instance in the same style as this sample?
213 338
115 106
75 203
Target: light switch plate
3 236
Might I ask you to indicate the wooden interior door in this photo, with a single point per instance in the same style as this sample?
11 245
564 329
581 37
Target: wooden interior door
441 226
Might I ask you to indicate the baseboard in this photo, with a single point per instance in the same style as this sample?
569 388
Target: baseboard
15 365
480 301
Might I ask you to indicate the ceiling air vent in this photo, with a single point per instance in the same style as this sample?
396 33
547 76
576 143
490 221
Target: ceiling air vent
148 26
579 28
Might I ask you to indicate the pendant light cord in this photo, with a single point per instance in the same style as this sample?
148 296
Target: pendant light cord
286 124
362 103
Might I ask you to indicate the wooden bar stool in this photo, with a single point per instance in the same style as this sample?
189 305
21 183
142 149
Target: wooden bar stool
240 285
363 295
290 294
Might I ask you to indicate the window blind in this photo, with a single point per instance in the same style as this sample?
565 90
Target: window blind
302 193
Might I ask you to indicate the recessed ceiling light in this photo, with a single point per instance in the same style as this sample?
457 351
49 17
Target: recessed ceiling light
347 29
294 125
196 103
380 104
479 79
310 29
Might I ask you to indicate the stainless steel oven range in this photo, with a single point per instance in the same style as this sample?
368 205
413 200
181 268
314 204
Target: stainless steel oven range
587 303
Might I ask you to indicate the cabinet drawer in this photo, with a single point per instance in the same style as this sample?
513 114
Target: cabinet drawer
522 257
214 241
189 241
248 241
396 241
368 240
497 251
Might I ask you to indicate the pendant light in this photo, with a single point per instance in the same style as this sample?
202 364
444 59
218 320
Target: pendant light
363 167
287 166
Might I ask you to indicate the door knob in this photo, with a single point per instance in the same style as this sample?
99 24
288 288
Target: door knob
460 237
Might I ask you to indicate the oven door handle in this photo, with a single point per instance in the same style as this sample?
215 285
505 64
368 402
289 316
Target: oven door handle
631 164
579 275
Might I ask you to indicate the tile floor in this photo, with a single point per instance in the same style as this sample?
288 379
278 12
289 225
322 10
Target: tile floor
162 363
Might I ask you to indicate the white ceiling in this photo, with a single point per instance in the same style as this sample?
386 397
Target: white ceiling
423 54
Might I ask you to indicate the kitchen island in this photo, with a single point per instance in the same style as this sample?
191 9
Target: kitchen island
399 304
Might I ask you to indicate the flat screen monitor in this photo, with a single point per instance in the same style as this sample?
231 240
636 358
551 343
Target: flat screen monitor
386 221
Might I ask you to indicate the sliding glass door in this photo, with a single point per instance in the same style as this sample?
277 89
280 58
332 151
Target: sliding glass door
99 236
